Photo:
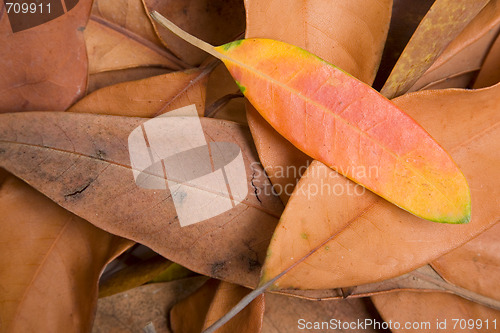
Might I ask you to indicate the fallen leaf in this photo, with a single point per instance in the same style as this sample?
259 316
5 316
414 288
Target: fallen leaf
81 162
149 97
466 53
490 72
461 80
50 283
474 265
130 15
111 47
425 310
213 300
222 102
249 320
45 67
109 78
347 125
188 316
338 24
133 276
444 21
291 315
172 273
308 25
217 22
406 15
466 123
132 310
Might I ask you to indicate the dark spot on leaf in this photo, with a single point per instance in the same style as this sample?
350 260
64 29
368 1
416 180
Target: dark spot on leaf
2 151
253 264
101 154
217 267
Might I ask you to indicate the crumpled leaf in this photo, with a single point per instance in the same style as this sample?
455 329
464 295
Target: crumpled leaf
45 67
444 21
466 53
81 162
466 123
130 311
215 21
490 71
335 23
50 284
149 97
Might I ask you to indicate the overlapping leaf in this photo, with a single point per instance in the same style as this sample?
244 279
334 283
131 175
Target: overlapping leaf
444 21
403 242
210 303
217 22
464 56
51 283
88 156
45 67
322 20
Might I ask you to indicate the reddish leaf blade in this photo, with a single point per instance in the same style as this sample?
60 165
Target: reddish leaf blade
347 125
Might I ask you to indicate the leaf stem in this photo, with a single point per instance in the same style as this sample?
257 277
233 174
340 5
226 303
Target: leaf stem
162 20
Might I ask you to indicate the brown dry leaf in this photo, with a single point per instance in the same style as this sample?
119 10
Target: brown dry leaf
111 47
149 97
50 283
214 21
249 320
308 25
222 102
129 15
188 316
283 314
474 265
201 309
490 71
133 276
466 53
81 161
358 31
429 308
104 79
444 21
132 310
406 15
466 124
461 80
45 67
